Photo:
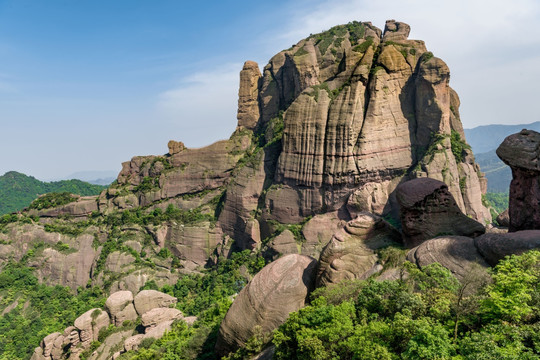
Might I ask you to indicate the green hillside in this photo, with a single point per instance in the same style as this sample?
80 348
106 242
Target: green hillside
18 190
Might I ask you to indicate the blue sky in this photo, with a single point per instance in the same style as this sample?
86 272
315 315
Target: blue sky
86 85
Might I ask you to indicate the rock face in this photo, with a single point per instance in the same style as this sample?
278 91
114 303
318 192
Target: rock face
428 210
350 254
89 324
120 307
248 105
456 253
279 288
336 130
494 247
147 300
153 317
521 152
503 219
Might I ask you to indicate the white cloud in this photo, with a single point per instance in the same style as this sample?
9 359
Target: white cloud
203 103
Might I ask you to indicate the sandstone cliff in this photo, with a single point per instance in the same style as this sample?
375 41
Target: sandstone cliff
326 131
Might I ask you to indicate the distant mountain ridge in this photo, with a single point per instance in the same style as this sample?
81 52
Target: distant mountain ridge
488 137
97 177
484 140
18 190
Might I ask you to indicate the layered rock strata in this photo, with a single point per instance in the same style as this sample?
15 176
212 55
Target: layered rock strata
521 152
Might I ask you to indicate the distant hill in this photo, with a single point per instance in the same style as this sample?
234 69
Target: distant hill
498 173
97 177
488 137
18 190
484 140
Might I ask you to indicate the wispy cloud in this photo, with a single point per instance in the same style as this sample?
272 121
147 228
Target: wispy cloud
203 103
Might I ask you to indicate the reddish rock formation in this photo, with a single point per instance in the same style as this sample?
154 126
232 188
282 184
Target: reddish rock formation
521 152
248 105
456 253
278 289
495 247
503 219
429 210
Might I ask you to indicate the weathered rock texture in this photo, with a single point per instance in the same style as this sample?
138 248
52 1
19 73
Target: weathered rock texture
277 290
503 219
328 130
428 210
248 105
351 252
521 152
147 300
456 253
495 247
119 307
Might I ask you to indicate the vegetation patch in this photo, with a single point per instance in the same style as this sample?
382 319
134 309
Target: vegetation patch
361 48
428 55
52 200
458 146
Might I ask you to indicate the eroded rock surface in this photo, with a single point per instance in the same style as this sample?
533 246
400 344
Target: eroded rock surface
350 254
495 247
120 307
521 152
278 289
147 300
429 210
456 253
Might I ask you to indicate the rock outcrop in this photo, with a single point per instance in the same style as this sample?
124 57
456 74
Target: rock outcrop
503 219
495 247
328 130
248 94
456 253
351 252
147 300
156 319
278 289
120 307
521 152
428 210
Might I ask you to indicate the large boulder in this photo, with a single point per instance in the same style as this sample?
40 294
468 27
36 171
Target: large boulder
503 219
429 210
456 253
89 324
155 316
495 247
147 300
521 152
278 289
120 307
350 254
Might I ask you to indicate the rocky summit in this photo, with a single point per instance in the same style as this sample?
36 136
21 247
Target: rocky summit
347 143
